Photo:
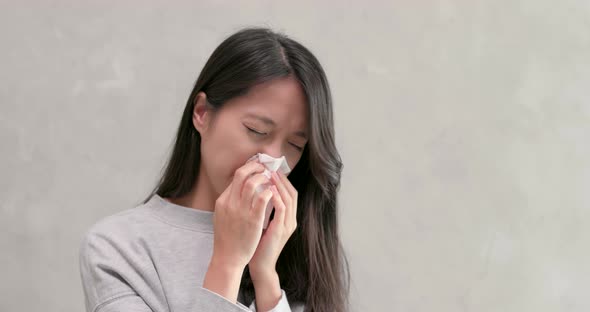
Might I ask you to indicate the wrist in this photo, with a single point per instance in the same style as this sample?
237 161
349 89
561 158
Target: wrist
223 280
263 276
219 263
268 290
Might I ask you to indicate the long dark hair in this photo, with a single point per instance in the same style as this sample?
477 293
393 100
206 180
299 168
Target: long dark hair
312 267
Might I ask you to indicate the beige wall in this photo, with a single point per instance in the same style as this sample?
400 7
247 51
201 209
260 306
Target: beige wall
464 127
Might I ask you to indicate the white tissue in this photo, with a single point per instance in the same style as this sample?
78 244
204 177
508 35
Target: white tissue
272 165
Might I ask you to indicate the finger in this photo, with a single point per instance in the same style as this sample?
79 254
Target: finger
285 196
292 192
294 212
240 176
250 187
259 207
286 199
290 187
280 209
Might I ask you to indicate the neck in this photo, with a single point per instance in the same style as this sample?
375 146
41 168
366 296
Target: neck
201 196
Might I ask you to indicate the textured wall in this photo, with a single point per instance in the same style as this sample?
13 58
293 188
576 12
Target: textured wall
463 126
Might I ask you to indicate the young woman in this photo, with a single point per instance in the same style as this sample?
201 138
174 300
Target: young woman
197 242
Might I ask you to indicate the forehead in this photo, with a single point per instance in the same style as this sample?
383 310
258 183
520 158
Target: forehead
282 100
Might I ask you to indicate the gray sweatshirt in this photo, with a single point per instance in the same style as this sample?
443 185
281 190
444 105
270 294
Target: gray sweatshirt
154 257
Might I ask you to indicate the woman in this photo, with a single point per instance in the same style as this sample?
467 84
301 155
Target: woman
197 243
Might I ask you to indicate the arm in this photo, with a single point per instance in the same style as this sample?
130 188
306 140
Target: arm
268 292
270 297
282 306
223 280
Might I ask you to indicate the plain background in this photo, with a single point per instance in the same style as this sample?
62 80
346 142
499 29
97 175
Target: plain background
463 126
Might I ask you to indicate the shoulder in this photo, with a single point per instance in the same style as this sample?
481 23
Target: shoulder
120 232
114 258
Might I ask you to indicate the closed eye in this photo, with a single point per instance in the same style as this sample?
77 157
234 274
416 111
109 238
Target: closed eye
256 132
299 148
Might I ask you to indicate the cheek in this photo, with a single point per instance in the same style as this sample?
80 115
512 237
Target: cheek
292 162
233 156
216 157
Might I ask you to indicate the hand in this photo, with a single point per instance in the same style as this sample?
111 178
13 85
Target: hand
262 266
239 216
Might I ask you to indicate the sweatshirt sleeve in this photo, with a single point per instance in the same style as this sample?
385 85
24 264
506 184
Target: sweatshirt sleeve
282 306
114 280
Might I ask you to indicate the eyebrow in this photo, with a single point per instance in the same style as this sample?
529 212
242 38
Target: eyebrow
271 122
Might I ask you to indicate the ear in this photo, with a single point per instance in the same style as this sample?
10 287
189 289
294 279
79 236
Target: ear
201 113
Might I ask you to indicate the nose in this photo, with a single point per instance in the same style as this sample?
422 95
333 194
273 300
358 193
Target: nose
273 149
276 150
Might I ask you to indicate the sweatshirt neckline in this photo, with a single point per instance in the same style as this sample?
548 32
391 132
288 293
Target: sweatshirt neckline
181 216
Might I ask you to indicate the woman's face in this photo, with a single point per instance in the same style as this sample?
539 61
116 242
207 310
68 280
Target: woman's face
271 118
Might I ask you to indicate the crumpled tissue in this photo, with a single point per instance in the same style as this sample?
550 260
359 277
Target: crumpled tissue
272 165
